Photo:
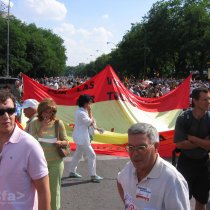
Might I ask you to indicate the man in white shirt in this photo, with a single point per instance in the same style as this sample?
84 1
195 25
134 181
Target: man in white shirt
148 181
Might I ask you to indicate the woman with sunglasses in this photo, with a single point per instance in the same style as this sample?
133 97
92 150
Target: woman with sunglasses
43 129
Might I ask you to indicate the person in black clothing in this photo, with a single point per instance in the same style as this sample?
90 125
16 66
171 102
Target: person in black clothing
192 137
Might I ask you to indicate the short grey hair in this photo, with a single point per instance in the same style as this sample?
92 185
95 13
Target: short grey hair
145 128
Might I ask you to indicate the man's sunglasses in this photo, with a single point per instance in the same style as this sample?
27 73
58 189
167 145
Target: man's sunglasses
9 111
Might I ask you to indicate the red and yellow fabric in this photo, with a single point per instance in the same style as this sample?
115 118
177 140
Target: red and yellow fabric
116 108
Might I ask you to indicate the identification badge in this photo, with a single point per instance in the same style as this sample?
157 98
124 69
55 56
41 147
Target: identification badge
129 202
143 193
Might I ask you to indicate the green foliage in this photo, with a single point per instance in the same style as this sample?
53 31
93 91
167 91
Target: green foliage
34 51
173 39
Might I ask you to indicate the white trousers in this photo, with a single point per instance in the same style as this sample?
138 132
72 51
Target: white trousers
88 151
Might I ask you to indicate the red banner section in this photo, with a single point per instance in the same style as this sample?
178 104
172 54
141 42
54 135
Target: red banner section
107 86
165 149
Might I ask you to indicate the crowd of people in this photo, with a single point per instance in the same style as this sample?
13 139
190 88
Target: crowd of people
149 88
64 82
41 167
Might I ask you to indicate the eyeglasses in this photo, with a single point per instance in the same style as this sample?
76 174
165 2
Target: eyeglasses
9 111
140 148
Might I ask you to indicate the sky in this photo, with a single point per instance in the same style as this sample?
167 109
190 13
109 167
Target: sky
85 25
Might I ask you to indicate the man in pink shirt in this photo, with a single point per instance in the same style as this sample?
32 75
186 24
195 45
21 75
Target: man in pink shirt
23 168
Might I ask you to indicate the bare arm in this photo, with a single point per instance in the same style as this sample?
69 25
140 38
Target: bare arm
186 144
120 190
90 114
43 191
205 144
181 135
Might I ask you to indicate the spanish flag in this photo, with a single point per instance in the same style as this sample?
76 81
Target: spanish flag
115 109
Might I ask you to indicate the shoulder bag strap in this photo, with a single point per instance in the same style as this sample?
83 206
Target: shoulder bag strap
57 129
187 119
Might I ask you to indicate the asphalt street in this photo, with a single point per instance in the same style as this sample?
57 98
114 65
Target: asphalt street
81 194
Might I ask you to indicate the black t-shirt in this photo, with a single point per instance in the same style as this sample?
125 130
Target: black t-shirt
186 124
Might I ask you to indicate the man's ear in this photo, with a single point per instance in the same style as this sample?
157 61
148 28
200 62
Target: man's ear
156 145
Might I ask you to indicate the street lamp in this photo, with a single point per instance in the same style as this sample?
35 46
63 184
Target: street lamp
8 19
146 51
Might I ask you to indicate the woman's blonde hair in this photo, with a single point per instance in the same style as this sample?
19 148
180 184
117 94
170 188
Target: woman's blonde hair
44 105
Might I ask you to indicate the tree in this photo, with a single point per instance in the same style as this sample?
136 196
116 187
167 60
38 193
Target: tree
172 39
35 51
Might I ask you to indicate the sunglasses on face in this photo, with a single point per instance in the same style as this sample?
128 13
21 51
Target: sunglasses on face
9 111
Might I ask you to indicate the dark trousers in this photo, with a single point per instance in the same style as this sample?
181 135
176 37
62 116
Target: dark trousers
195 171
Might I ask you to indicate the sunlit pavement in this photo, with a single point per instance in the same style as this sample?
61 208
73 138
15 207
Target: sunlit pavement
81 194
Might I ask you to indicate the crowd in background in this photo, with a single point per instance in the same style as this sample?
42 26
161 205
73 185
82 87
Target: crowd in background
64 82
156 87
149 88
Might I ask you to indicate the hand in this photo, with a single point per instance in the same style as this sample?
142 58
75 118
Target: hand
61 143
89 109
100 130
192 139
93 121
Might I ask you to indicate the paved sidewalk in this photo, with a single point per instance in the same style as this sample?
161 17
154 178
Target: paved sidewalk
81 194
